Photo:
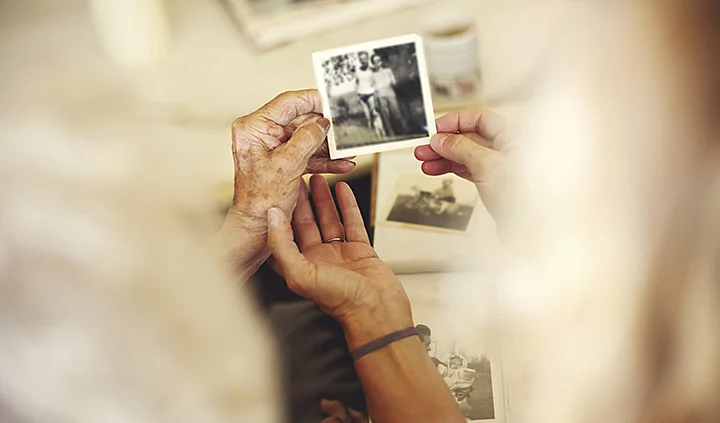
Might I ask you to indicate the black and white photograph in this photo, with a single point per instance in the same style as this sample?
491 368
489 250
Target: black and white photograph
377 96
432 203
468 361
467 372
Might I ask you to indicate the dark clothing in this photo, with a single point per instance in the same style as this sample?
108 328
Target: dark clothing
316 361
365 98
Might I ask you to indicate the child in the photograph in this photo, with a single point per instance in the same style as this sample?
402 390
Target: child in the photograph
454 373
387 100
460 380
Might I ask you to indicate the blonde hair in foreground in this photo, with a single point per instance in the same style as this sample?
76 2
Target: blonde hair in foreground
616 251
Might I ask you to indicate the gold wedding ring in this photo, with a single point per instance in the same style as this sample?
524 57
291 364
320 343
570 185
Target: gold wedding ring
334 239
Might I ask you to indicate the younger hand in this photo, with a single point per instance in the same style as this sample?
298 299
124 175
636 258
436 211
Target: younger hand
344 277
473 145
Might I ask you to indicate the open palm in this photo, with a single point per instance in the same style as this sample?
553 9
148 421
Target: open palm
329 263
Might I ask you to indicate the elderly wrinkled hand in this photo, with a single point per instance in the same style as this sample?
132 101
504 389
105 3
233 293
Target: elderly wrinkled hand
334 265
473 145
272 148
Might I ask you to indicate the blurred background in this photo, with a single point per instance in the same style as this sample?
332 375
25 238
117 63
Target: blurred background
183 70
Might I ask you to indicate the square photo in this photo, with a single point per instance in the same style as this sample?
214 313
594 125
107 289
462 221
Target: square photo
437 203
377 96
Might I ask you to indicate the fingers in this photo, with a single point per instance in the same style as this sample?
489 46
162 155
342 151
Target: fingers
444 166
295 268
307 234
426 153
352 218
459 149
299 121
330 226
485 123
289 105
304 142
441 167
325 165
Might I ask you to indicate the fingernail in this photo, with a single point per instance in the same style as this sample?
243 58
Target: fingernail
273 218
325 124
438 140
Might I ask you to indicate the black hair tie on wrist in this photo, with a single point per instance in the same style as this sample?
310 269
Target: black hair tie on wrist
379 343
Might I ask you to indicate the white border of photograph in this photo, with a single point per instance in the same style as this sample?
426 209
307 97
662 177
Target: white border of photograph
321 56
468 190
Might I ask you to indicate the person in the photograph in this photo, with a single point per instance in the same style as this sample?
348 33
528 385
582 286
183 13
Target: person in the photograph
444 197
420 199
462 390
456 366
365 88
387 100
425 335
445 192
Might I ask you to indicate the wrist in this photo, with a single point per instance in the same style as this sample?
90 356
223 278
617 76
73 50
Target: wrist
247 218
242 242
368 325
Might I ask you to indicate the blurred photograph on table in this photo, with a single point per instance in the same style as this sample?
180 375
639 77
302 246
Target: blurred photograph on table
377 96
428 203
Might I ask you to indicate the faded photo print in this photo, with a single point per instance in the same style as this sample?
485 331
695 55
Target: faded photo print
375 95
436 203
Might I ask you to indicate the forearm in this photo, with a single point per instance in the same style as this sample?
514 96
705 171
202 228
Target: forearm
400 381
241 244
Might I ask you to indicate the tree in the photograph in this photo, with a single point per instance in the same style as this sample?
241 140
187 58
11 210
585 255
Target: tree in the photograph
339 69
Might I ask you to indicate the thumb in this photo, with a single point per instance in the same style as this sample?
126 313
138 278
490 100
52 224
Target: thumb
306 140
460 149
298 272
